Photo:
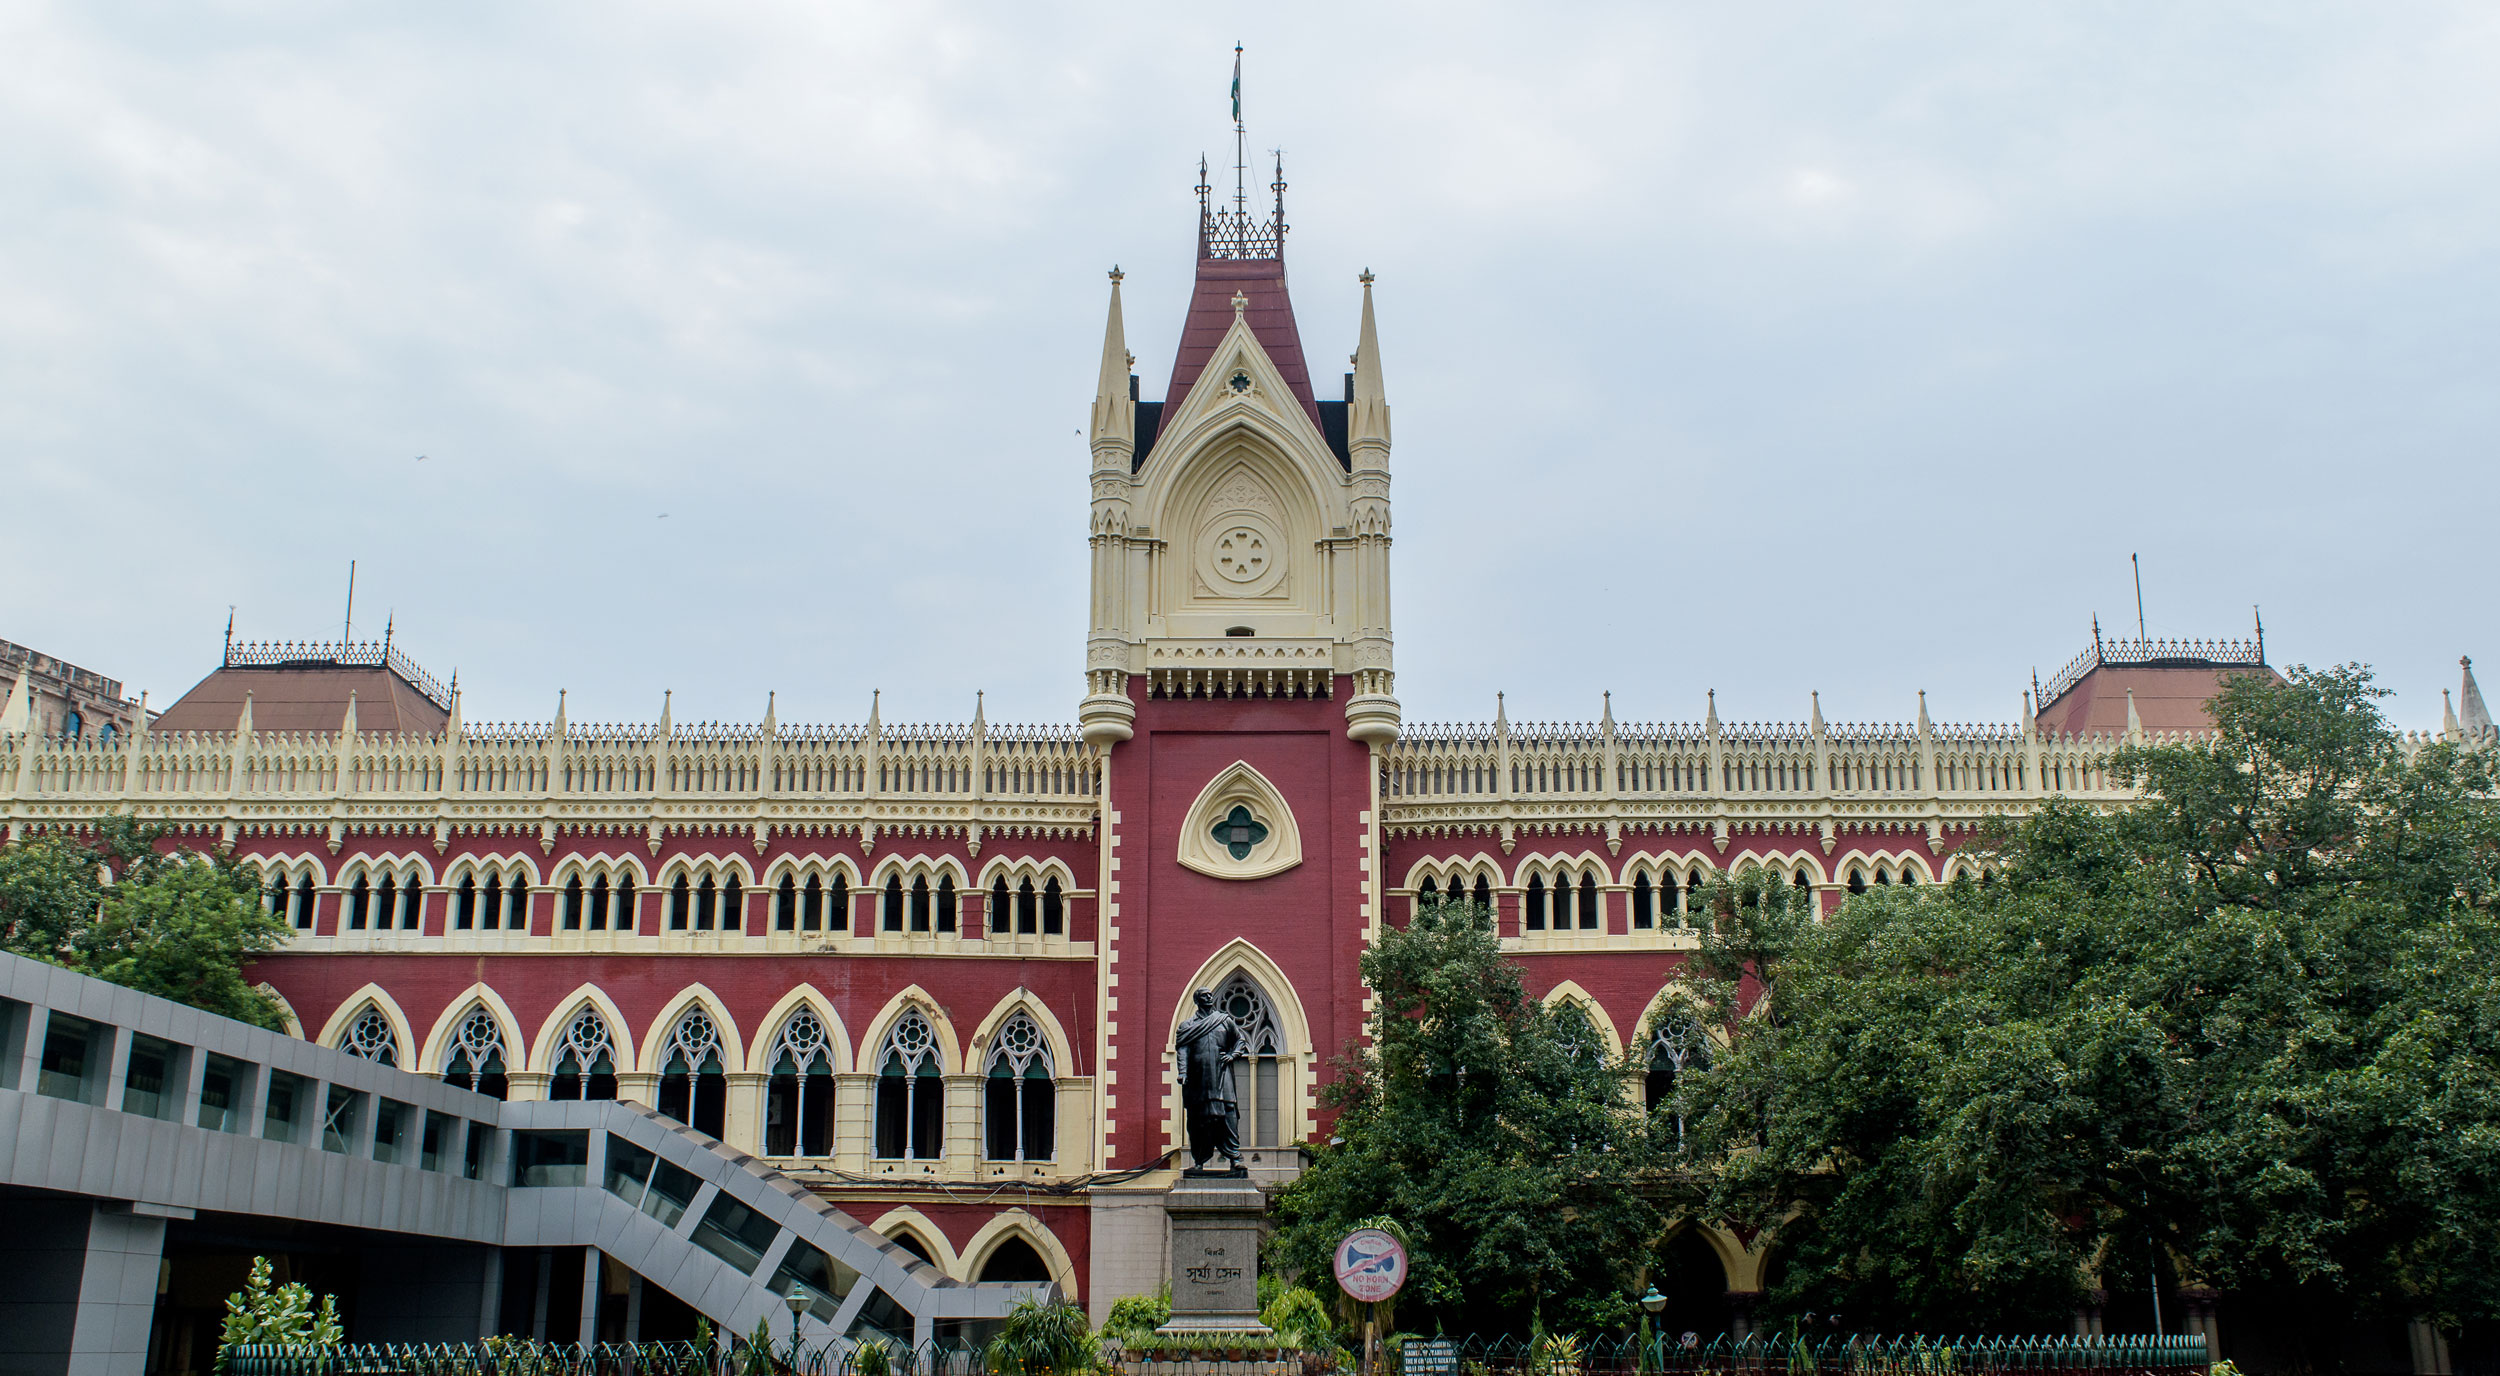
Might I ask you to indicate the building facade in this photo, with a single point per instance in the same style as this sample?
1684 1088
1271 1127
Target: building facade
934 971
47 696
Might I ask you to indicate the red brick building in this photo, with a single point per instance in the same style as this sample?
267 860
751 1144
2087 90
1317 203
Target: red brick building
936 971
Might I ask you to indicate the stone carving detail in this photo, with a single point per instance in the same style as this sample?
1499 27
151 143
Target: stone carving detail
370 1036
1240 828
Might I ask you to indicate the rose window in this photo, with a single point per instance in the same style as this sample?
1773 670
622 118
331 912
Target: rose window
1241 554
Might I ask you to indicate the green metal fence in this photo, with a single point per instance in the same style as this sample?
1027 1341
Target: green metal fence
2117 1355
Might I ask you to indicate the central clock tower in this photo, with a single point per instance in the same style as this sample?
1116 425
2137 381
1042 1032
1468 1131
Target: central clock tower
1240 682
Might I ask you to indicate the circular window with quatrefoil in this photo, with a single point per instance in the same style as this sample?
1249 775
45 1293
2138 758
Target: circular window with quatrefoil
1239 556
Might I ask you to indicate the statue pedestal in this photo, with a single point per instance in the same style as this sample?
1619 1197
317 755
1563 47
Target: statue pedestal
1215 1256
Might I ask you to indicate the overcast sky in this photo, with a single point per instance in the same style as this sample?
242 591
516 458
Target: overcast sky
1760 348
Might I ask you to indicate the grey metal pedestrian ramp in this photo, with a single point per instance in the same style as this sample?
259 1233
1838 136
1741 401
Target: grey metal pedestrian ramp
122 1115
720 1230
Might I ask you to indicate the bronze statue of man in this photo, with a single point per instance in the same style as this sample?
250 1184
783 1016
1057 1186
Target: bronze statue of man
1203 1053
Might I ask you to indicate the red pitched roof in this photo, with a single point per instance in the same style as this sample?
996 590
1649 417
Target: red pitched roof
310 697
2167 698
1270 314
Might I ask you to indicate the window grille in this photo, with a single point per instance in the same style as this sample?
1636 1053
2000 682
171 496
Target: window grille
1020 1094
371 1037
910 1093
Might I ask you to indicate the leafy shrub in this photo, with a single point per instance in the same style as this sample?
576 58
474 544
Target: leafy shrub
282 1314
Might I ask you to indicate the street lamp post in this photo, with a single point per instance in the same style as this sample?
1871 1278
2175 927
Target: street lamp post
1651 1303
797 1299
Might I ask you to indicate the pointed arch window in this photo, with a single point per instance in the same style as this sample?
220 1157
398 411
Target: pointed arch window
1678 1044
359 903
1644 902
371 1037
585 1061
1533 917
1028 909
1576 1035
573 906
893 917
911 1096
1484 895
304 902
798 1101
920 903
1258 1078
1054 908
694 1085
1019 1094
786 904
1589 921
476 1060
946 903
599 904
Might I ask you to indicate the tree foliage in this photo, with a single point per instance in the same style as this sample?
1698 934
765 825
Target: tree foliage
262 1312
1495 1130
121 904
2245 1026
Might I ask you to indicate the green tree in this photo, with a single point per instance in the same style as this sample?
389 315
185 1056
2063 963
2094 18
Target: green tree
2244 1026
172 921
261 1312
1492 1128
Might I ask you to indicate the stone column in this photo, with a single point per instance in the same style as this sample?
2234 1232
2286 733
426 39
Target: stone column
640 1088
2430 1348
2200 1304
742 1119
2088 1315
117 1293
1215 1255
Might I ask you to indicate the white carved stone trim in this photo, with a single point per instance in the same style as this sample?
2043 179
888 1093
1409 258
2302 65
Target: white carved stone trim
1277 846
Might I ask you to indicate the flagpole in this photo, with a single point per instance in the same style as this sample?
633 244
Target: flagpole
1241 144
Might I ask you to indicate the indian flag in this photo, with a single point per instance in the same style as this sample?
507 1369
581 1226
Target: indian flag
1236 83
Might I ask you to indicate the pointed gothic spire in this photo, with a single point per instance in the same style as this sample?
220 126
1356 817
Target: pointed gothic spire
668 722
1924 726
2135 724
1606 714
772 720
560 719
980 719
243 719
1814 710
18 716
2472 714
1501 715
876 699
1115 414
1710 718
1367 424
2448 728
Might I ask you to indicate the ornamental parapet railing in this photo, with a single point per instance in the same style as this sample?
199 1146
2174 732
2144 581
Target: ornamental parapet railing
2154 654
337 654
604 763
1541 764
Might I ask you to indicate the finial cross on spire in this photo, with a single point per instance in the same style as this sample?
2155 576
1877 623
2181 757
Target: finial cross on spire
1241 305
